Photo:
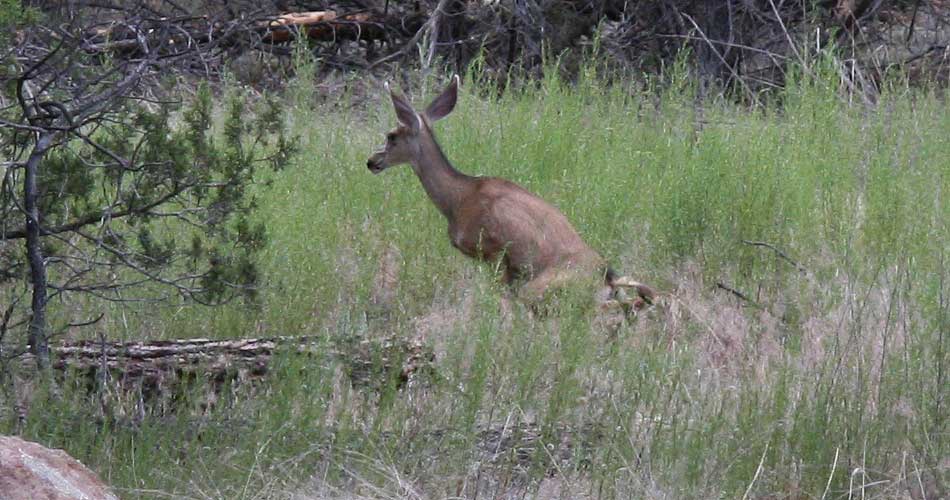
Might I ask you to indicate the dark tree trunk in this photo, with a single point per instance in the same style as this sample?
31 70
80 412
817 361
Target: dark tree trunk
452 31
713 54
39 343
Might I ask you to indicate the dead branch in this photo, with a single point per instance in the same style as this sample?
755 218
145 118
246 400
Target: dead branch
430 26
778 252
748 300
739 295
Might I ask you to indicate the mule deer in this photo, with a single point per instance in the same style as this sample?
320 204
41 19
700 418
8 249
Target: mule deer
491 218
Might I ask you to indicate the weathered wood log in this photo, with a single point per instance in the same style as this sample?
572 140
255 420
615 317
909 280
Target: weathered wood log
154 363
319 25
323 26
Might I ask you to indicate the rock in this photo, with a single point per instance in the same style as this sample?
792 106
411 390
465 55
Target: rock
29 471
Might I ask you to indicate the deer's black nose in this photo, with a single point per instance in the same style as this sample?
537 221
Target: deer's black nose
375 166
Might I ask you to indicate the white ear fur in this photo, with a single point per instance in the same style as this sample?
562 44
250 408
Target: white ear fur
404 112
419 124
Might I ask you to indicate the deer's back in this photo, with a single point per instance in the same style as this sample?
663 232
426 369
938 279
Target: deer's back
501 218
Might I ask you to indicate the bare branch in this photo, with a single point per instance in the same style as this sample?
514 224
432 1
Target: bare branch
778 252
98 216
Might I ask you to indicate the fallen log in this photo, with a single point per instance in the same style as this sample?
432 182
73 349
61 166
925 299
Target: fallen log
318 25
323 26
155 366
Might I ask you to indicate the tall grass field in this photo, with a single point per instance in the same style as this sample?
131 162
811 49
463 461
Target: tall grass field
799 351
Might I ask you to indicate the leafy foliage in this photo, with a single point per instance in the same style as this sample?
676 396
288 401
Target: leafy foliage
154 197
12 16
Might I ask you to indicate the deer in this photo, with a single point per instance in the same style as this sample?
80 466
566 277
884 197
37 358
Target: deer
493 219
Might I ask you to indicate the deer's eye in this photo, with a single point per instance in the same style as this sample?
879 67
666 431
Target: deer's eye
390 137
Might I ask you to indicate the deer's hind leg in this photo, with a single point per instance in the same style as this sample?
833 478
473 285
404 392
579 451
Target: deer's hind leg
551 280
534 289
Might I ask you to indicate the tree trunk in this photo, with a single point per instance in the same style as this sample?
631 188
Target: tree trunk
39 343
453 30
714 53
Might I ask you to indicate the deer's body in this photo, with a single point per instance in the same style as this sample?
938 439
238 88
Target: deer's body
500 220
491 218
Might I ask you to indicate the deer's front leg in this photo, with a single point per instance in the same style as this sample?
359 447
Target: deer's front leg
507 276
475 243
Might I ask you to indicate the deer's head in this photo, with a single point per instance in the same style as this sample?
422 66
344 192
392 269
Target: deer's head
404 143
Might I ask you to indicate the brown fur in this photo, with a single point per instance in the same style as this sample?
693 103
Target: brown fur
491 218
499 219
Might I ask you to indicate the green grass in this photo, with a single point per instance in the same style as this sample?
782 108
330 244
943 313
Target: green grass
832 378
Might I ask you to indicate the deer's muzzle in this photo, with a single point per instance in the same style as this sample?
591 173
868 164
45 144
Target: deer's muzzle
376 163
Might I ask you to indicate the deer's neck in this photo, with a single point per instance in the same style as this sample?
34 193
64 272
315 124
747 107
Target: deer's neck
445 185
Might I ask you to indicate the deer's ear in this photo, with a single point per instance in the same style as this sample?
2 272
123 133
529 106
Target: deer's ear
404 112
445 103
